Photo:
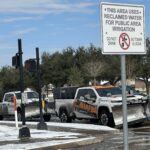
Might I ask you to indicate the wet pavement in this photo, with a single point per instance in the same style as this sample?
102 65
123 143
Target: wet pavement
138 139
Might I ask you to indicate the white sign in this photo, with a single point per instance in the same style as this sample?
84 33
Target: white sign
122 29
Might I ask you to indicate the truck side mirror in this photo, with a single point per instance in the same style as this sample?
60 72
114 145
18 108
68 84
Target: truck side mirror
93 98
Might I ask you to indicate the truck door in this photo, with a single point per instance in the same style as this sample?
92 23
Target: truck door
85 104
9 103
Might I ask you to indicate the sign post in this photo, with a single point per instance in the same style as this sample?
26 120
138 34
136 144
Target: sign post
122 34
125 122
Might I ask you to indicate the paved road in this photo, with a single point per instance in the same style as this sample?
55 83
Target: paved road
138 139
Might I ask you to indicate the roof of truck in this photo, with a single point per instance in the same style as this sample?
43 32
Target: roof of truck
19 92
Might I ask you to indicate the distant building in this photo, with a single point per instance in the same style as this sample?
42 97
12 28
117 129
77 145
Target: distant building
140 85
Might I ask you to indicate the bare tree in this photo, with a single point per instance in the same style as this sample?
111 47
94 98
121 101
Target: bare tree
131 66
93 69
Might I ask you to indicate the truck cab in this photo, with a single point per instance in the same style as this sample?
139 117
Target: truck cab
30 99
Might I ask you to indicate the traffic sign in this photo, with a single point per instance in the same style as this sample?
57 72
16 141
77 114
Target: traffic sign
122 29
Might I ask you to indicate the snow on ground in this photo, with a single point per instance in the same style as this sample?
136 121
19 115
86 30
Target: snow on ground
74 125
42 138
11 133
9 136
81 126
29 146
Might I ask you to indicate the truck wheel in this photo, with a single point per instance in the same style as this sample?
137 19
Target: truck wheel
105 119
47 117
1 117
64 117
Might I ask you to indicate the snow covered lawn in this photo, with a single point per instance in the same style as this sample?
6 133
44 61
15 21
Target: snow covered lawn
71 125
43 138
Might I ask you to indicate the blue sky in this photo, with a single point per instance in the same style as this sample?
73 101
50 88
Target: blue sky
52 25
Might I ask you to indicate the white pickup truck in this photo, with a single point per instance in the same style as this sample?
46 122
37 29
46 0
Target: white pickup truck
99 103
31 103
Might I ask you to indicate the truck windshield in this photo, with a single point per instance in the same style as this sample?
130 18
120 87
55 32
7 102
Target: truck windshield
29 95
18 95
32 95
103 92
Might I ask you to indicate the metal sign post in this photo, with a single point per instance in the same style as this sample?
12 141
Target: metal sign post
123 33
125 123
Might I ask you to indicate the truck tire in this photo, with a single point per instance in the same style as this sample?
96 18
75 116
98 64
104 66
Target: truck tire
105 118
47 117
64 117
1 117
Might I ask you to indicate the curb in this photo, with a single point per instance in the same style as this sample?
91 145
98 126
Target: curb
73 144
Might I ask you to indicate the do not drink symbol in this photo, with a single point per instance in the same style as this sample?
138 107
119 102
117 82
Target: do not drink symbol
124 41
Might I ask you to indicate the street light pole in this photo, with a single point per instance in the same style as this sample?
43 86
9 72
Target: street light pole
24 131
41 125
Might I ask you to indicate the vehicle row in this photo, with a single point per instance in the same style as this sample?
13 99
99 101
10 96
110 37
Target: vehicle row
101 104
30 99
